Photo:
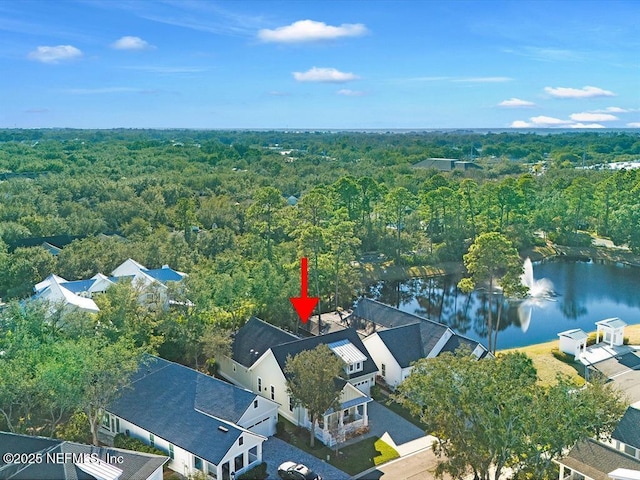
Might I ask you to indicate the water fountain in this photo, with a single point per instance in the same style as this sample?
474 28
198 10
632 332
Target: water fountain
539 291
542 288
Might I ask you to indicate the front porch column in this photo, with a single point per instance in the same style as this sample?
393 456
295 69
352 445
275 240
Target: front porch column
245 458
260 451
561 477
365 415
219 472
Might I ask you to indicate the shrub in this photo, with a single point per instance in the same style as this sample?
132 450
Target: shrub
563 357
130 443
258 472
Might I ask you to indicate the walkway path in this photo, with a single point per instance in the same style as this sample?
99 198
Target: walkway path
401 434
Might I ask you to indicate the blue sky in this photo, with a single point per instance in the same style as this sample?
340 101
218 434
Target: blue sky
327 64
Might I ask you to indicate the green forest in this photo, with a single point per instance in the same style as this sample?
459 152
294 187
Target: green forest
236 210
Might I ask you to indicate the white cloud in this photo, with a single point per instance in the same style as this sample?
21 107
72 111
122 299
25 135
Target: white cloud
584 92
543 121
350 93
483 79
515 103
633 125
587 125
131 43
521 124
324 75
57 54
311 31
613 110
593 117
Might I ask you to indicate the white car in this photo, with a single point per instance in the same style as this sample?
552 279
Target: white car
296 471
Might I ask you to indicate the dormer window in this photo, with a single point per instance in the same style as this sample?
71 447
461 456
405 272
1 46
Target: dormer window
354 367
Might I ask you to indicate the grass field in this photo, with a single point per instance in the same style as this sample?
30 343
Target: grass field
353 459
548 365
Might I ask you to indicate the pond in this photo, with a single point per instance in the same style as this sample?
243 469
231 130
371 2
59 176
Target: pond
580 294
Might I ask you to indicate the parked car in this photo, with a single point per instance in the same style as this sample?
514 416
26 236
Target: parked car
296 471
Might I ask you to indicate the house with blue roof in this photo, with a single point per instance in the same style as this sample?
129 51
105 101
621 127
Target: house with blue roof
204 424
78 294
259 356
63 460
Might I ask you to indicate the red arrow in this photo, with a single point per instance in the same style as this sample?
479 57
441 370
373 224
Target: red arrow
304 304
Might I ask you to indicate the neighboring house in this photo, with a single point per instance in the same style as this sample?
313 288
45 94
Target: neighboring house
259 355
62 460
78 294
204 424
446 164
626 436
592 460
399 339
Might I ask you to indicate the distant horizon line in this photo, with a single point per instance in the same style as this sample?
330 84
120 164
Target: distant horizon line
364 130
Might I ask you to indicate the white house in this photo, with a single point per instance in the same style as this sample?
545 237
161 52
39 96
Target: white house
78 294
259 355
619 459
612 330
593 460
626 436
399 339
62 460
202 423
573 342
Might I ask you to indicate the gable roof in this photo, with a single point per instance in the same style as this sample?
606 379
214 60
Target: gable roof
628 429
384 315
404 343
255 338
185 407
596 460
282 351
410 337
136 465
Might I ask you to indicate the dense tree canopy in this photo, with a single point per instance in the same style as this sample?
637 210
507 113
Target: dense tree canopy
491 414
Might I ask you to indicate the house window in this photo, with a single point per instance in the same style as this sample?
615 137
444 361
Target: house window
358 366
152 440
234 367
240 441
255 403
290 404
197 463
105 421
629 450
239 462
259 384
171 453
273 392
384 370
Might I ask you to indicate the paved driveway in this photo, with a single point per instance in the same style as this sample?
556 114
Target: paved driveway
276 451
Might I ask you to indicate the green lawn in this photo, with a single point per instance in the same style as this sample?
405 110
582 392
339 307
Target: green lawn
353 459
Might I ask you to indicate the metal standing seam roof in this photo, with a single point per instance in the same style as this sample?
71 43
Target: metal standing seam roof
575 334
347 351
612 322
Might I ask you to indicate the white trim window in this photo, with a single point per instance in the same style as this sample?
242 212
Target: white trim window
273 392
259 381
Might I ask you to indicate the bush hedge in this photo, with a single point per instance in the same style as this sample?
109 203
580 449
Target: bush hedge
130 443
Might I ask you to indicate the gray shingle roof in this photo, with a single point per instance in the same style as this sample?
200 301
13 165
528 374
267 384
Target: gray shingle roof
280 352
255 338
628 429
383 315
596 460
404 343
176 403
135 466
457 341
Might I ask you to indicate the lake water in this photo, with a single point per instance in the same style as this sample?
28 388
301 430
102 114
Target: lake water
583 293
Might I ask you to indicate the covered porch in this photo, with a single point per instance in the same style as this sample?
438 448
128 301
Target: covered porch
350 420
